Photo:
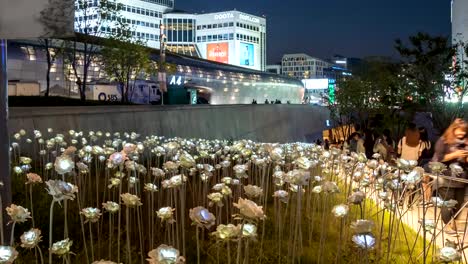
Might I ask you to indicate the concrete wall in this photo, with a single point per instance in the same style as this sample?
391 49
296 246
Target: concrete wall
265 123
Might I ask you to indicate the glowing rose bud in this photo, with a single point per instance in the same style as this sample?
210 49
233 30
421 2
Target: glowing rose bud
282 195
33 178
298 177
111 207
364 241
117 159
437 167
91 214
130 200
25 160
61 190
330 187
31 238
226 191
249 209
317 189
340 210
372 164
113 182
201 217
227 180
215 198
149 187
449 254
17 136
17 170
253 191
226 232
428 224
165 255
186 161
8 254
18 213
303 163
157 172
249 230
170 166
64 164
166 214
362 226
61 247
357 197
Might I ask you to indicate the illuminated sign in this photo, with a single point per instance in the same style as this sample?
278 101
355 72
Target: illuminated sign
249 18
176 80
223 16
331 90
218 52
246 54
321 84
340 62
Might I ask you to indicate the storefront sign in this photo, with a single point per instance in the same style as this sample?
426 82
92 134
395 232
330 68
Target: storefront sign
223 16
249 18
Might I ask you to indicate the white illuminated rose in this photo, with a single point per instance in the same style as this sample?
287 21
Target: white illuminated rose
250 210
449 254
91 214
226 232
8 254
340 210
31 238
61 247
282 195
166 214
253 191
215 198
364 241
61 190
362 226
111 207
131 200
64 164
165 255
18 214
201 217
149 187
33 178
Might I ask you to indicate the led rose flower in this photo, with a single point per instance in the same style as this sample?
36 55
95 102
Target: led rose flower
64 164
157 172
8 254
170 166
298 177
186 161
428 224
113 182
317 189
18 214
340 210
249 230
240 170
129 148
303 163
149 187
215 198
31 238
226 232
104 262
253 191
357 197
282 195
165 255
226 191
82 168
330 187
364 241
201 217
449 254
362 226
249 209
456 169
61 190
166 214
111 207
33 178
91 214
61 247
130 200
178 180
116 159
439 202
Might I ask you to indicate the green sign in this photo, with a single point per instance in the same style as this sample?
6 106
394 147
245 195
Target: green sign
193 96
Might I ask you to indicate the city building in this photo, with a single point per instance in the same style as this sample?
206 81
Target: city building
274 68
303 66
143 17
460 25
194 80
232 37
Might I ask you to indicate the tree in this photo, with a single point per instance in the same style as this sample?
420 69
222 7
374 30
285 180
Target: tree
94 19
52 52
124 60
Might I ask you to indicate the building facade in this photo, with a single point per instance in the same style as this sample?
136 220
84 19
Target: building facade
232 37
303 66
274 68
460 25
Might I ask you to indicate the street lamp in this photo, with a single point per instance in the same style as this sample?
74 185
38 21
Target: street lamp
162 61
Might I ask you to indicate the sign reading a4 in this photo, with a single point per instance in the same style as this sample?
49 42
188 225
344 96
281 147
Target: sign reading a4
176 80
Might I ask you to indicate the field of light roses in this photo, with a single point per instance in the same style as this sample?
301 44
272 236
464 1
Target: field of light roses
102 197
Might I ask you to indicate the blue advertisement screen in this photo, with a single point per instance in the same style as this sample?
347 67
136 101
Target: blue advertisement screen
246 54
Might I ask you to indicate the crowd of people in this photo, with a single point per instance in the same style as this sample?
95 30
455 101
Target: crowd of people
451 149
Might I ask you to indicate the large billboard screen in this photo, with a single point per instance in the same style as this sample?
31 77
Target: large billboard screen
315 83
218 52
246 54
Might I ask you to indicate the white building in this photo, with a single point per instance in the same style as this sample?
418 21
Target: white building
143 16
274 68
460 23
303 66
232 37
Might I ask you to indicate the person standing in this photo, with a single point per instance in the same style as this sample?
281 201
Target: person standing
426 155
451 148
409 147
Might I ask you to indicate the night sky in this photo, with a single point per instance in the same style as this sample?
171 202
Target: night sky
352 28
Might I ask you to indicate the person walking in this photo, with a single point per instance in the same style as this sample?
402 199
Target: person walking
451 148
426 156
409 147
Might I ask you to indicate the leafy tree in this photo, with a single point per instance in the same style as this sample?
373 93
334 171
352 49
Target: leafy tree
124 60
94 19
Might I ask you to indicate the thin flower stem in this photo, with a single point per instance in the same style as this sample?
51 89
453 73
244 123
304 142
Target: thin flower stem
91 240
40 254
51 218
12 238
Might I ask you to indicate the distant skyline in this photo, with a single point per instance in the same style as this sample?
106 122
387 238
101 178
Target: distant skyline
324 28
